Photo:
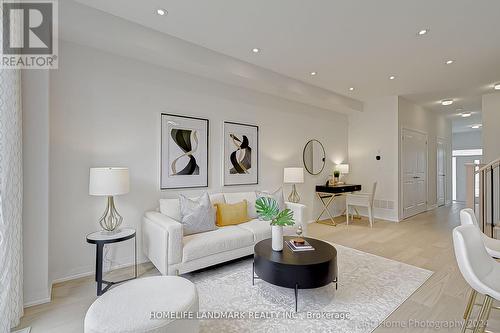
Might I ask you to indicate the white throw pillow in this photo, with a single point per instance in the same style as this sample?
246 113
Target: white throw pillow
196 215
276 195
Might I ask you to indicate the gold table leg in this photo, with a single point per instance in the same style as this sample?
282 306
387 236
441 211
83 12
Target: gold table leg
325 208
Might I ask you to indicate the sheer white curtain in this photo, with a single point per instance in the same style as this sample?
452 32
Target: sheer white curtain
11 186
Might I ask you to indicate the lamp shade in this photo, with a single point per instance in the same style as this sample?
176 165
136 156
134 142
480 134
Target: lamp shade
293 175
108 181
343 168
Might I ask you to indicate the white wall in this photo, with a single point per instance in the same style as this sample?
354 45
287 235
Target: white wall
467 140
35 100
105 111
415 117
491 126
371 133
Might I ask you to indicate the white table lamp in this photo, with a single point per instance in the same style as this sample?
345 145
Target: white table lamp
343 169
293 176
109 182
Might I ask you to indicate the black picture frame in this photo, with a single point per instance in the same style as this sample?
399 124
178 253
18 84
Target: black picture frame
163 116
256 127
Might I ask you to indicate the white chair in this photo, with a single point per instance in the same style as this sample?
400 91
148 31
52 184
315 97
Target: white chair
479 270
467 216
361 200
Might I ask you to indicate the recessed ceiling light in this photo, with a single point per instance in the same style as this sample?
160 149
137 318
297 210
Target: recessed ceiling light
351 89
255 50
423 32
446 102
313 73
497 86
392 77
449 62
161 12
476 126
465 114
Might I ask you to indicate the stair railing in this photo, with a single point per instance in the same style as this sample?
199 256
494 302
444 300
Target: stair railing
488 206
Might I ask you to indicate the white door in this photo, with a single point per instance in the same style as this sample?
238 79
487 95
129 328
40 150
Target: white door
441 173
414 173
461 175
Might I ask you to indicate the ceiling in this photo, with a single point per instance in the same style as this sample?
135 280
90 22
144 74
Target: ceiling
460 124
349 43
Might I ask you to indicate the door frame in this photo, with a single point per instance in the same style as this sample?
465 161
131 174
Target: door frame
400 171
444 143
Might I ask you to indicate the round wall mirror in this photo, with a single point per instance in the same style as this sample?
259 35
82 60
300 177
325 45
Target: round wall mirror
314 157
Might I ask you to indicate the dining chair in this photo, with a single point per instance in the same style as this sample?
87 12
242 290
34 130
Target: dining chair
361 200
467 216
479 270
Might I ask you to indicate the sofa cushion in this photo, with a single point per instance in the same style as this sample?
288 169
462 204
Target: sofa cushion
231 214
276 195
197 215
172 208
250 197
260 229
212 242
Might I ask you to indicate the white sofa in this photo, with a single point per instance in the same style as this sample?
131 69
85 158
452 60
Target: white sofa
173 253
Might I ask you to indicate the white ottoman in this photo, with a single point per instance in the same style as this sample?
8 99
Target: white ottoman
141 305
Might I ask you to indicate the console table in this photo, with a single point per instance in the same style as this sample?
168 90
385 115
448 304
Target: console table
327 195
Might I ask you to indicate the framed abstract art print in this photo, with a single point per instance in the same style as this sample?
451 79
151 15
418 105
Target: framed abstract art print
241 152
184 152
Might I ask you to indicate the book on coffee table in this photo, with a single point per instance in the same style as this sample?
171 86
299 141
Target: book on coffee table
299 247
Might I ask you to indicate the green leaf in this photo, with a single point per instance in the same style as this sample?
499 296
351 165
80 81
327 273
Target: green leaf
267 208
284 218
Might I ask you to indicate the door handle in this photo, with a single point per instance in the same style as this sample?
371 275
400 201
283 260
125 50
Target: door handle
415 177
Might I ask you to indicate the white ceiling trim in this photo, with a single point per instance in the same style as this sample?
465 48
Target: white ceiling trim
125 38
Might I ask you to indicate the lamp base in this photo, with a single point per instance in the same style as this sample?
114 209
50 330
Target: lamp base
110 220
294 196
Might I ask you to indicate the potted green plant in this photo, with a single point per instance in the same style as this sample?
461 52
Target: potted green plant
336 176
268 210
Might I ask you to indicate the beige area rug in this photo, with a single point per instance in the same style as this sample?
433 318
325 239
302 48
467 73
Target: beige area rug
370 289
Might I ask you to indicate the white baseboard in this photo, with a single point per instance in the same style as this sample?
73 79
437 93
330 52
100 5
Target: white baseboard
431 207
37 302
92 272
388 218
47 299
38 297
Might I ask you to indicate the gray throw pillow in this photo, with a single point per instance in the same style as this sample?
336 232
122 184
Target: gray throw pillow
276 195
196 215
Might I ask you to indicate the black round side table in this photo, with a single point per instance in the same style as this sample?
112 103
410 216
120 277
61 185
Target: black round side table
298 270
101 238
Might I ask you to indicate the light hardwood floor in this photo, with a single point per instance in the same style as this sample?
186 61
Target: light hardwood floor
424 241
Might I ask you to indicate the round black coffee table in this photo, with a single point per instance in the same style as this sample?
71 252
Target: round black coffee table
298 270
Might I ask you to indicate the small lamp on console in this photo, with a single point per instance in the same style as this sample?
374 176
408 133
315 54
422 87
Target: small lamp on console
343 169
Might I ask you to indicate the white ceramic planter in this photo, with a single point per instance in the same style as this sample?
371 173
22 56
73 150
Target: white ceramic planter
277 237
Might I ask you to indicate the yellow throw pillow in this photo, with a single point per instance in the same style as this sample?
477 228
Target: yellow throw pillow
231 214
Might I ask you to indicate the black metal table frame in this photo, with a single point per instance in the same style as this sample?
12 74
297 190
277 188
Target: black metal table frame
254 277
99 261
